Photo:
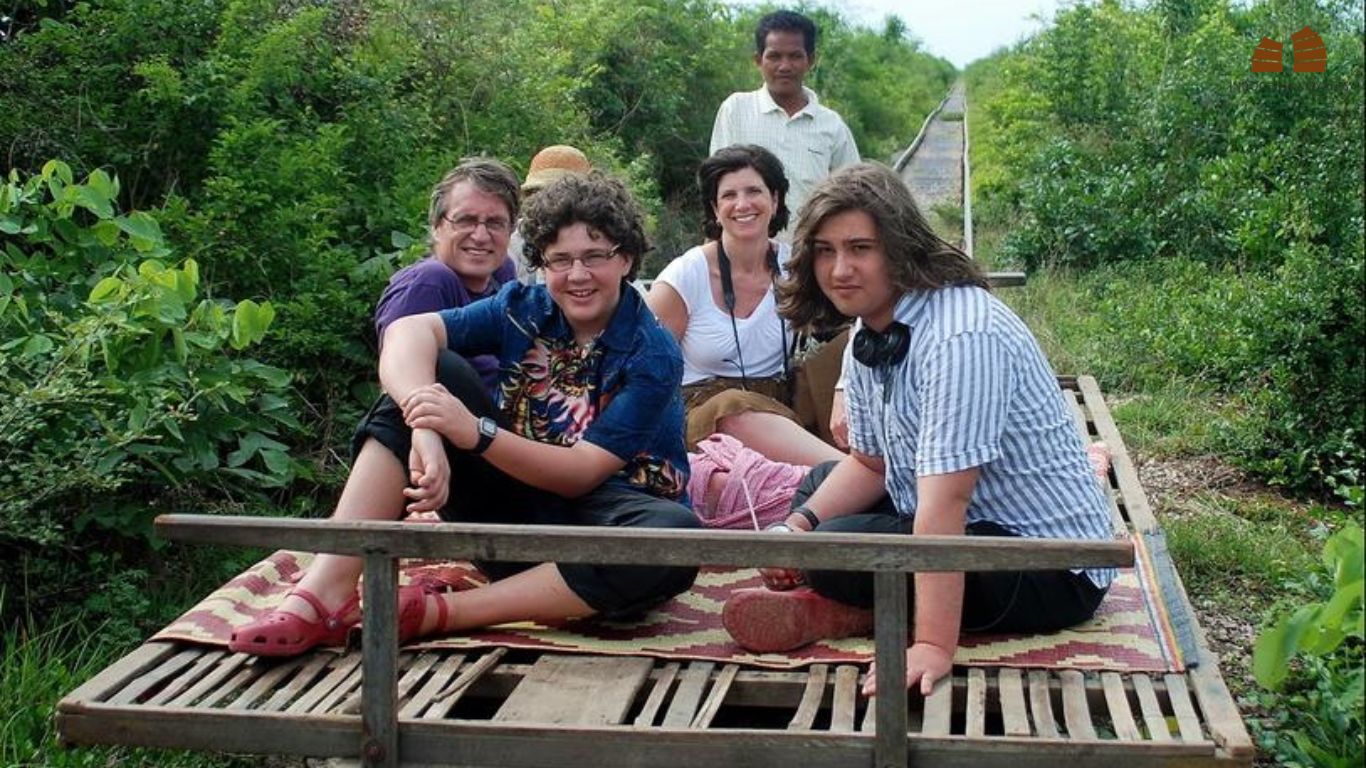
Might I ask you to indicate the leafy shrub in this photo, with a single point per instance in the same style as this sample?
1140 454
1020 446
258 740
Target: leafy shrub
120 388
1319 722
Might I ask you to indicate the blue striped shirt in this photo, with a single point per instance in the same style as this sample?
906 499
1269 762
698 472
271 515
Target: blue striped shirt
975 390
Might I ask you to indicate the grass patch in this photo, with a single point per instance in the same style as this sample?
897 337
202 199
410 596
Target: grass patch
1181 419
1224 544
39 665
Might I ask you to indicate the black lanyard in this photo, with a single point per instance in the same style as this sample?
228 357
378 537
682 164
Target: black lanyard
728 297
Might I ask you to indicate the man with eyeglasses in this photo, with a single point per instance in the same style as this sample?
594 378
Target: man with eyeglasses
469 224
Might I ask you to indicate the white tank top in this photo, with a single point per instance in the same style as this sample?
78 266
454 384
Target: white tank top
709 342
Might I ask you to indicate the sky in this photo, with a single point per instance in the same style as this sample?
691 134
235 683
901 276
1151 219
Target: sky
961 31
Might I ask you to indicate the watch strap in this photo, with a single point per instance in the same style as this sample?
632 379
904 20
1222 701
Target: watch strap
488 428
810 516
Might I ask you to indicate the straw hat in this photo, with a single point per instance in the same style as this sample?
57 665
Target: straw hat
551 163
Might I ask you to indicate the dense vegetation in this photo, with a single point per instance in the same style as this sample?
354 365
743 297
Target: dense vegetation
1194 233
200 203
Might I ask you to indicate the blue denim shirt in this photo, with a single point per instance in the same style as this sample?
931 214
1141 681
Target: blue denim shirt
620 393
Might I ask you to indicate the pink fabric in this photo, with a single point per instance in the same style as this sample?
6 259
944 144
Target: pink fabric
770 484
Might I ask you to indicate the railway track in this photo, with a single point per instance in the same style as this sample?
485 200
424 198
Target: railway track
936 167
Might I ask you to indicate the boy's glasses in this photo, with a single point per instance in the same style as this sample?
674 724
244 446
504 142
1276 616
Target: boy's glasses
589 259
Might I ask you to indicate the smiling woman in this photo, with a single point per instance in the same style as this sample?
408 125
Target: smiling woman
718 301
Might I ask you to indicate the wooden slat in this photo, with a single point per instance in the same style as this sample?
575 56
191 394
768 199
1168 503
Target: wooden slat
1014 717
443 702
691 686
939 708
1121 716
1041 704
379 662
891 619
266 683
1186 719
439 678
117 675
332 703
576 690
1153 718
343 667
1135 500
602 545
812 695
310 671
869 724
205 662
1078 415
976 710
353 703
1075 711
250 671
145 682
646 718
845 698
222 671
416 673
719 689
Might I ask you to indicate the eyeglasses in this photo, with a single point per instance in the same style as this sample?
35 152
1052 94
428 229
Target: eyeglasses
589 259
496 225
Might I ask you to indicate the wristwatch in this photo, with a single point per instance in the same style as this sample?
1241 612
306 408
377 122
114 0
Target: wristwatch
810 516
779 527
488 429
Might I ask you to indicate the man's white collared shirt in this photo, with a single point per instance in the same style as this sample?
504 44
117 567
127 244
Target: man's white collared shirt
811 144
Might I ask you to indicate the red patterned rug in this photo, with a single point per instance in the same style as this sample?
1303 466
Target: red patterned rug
1129 633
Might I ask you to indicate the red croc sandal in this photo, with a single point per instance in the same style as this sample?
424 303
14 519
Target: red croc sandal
412 608
280 633
766 621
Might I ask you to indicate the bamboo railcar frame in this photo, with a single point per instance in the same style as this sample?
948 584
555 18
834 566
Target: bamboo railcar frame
386 706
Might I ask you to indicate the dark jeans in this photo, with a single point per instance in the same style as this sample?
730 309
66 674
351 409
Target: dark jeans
482 493
993 601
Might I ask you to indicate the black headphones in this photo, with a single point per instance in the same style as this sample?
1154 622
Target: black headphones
888 348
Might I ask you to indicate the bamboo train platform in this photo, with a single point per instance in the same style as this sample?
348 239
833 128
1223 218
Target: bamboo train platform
385 706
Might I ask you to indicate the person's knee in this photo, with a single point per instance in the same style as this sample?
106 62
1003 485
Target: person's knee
459 377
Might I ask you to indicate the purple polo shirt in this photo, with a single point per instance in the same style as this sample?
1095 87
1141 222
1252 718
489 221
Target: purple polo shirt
431 286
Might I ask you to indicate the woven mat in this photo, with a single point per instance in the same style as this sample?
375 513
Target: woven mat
1129 633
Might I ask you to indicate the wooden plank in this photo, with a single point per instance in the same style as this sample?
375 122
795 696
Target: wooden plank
1117 522
1014 717
438 680
266 683
939 708
891 620
1153 718
221 672
577 690
869 724
665 681
379 662
355 699
343 667
297 684
1121 717
1135 500
117 675
534 746
443 702
635 546
1186 720
1041 704
140 685
194 674
1078 415
719 689
845 699
1075 711
691 686
249 671
812 695
976 710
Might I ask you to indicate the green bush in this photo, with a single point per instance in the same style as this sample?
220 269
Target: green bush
1138 135
122 391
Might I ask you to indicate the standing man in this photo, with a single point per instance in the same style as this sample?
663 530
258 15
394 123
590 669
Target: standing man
784 115
469 223
956 425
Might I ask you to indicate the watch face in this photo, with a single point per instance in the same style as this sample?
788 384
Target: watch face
488 427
